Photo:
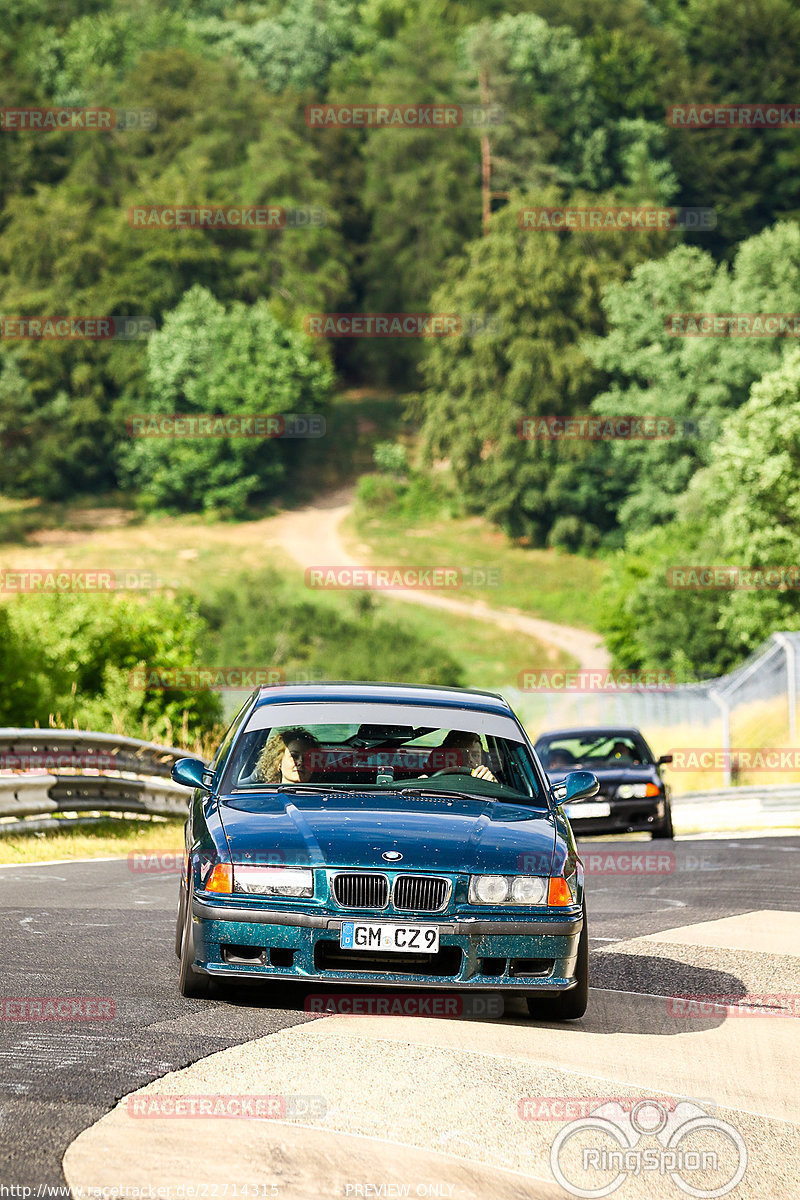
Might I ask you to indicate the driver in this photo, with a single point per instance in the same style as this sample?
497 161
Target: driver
472 752
559 760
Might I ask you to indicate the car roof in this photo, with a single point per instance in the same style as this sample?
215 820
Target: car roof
386 693
592 730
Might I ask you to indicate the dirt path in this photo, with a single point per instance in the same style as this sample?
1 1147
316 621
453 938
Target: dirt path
311 536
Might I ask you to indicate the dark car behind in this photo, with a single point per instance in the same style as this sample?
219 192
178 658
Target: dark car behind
633 796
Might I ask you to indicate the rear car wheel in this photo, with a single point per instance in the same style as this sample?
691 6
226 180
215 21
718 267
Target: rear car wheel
567 1006
665 829
191 983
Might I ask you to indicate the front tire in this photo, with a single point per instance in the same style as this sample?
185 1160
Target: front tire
193 984
571 1005
181 918
665 829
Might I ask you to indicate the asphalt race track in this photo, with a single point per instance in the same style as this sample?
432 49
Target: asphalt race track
99 929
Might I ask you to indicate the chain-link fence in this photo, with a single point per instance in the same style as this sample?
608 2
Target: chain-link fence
739 728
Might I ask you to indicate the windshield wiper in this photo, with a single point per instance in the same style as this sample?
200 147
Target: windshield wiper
444 795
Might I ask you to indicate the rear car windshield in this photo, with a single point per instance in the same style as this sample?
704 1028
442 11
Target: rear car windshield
357 755
569 752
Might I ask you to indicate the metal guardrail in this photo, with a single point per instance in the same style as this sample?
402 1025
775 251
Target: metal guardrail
772 795
728 809
72 771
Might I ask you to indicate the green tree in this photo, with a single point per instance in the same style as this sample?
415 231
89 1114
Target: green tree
542 292
741 510
695 381
206 360
78 659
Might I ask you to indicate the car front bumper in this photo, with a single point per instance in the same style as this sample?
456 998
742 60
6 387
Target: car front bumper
531 954
626 816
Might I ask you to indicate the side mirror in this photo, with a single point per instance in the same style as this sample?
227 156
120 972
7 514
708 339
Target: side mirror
663 760
580 785
191 772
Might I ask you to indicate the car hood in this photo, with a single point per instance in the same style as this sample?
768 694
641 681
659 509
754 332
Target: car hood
449 835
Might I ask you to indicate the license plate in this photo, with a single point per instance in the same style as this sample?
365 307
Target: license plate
399 939
586 809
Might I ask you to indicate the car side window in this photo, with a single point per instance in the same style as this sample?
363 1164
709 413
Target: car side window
218 761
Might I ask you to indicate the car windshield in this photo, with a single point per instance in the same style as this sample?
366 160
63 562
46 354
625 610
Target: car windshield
446 758
606 748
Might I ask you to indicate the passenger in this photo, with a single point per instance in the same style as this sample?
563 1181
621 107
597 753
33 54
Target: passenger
285 758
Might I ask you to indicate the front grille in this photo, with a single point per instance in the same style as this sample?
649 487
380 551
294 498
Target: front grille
361 890
419 893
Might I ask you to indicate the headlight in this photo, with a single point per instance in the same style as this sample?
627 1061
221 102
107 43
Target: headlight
507 889
637 791
274 881
528 889
488 889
